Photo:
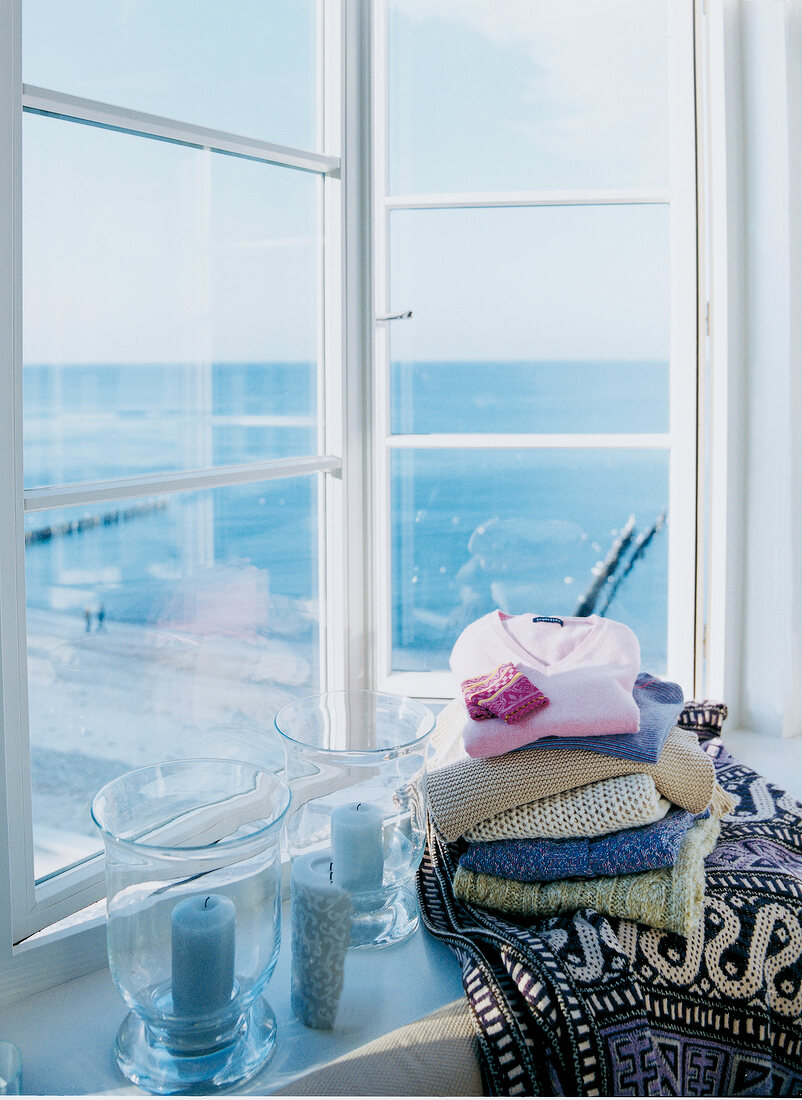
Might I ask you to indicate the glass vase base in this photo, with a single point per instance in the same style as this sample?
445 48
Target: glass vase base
145 1060
395 921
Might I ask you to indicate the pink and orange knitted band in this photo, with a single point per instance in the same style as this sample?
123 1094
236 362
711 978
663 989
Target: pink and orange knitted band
503 693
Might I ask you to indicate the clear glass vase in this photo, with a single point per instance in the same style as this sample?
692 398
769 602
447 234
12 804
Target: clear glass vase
193 876
355 761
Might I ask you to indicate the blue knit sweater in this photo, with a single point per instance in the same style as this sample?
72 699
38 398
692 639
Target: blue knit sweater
646 848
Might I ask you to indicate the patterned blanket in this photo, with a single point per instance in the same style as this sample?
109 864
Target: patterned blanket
581 1005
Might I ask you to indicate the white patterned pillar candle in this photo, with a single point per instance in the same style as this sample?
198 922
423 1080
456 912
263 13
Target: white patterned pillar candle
320 913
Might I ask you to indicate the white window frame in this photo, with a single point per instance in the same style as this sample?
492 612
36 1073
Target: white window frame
722 399
680 442
46 933
355 621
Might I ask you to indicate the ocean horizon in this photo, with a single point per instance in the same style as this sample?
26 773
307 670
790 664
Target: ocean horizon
519 529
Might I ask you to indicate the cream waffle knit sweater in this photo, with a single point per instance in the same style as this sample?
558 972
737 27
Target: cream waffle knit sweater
623 802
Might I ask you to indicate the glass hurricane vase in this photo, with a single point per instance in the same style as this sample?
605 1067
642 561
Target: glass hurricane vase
355 761
193 878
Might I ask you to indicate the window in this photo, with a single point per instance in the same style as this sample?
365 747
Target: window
172 363
233 470
536 418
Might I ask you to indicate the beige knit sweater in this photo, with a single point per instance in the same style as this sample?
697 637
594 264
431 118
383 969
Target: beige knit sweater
671 898
463 791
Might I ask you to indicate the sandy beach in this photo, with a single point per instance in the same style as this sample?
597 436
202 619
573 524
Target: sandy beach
121 696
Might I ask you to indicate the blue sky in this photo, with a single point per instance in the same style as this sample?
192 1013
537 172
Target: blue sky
138 251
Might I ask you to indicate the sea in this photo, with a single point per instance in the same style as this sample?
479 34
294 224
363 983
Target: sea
470 529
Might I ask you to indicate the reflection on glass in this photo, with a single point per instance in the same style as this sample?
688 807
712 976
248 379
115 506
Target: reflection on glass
169 317
559 396
549 319
158 628
526 531
504 95
248 68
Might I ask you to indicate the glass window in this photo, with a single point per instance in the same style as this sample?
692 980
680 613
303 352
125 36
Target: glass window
161 627
526 530
531 319
184 311
170 306
174 356
246 67
523 96
545 322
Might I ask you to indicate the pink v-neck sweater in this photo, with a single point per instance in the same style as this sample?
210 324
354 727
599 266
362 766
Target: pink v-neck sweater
586 668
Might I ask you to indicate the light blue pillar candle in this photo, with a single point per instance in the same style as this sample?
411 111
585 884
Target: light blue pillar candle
203 948
320 916
356 841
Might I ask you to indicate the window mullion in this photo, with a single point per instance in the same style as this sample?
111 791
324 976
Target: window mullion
683 364
348 407
331 373
382 489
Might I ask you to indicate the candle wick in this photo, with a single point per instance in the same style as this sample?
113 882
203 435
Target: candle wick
206 903
331 872
358 805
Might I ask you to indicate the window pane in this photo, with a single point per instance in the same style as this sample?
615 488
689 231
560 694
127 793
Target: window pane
163 627
247 67
170 306
523 531
505 95
536 319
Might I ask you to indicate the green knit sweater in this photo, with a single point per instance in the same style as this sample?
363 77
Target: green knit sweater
670 898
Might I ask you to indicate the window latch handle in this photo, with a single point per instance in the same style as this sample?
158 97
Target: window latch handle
396 316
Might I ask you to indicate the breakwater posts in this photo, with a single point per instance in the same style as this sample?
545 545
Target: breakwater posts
607 568
85 523
639 548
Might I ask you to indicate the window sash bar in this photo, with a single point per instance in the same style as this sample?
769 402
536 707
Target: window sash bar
508 441
482 199
40 500
44 101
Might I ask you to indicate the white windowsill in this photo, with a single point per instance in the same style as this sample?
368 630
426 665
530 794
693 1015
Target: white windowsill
778 759
66 1033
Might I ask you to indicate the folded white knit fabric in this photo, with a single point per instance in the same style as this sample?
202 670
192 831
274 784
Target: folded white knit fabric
623 802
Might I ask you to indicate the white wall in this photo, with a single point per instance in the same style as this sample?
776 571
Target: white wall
764 197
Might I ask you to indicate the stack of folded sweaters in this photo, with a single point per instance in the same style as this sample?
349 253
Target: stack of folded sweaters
563 769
